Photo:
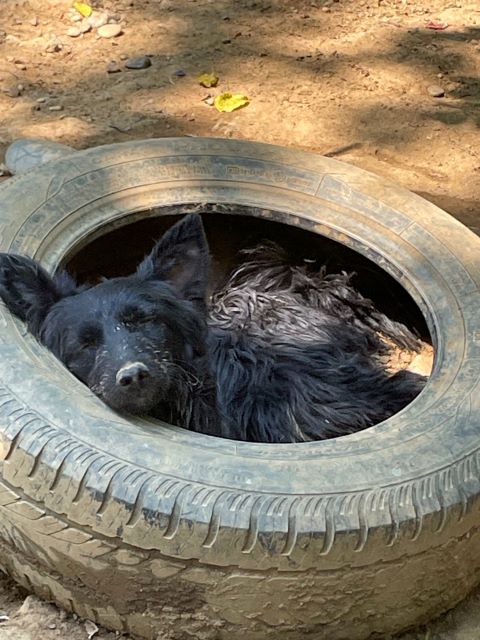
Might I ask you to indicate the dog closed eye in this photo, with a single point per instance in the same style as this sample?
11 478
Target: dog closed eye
131 317
90 335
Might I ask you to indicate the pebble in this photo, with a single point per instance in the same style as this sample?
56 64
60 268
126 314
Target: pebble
123 56
52 625
436 91
34 22
74 32
97 20
14 92
41 100
56 107
26 153
139 62
113 67
54 45
110 30
180 73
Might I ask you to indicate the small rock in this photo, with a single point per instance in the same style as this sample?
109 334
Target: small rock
54 45
97 20
85 26
26 153
91 629
41 100
74 32
13 91
110 30
139 62
123 56
180 73
326 9
56 107
31 604
76 17
436 91
113 67
34 21
226 41
52 625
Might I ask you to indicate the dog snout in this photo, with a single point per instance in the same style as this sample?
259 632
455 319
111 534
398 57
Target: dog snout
131 374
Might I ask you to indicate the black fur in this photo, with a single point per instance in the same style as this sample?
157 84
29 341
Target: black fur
281 354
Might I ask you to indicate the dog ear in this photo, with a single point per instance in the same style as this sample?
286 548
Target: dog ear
29 291
181 257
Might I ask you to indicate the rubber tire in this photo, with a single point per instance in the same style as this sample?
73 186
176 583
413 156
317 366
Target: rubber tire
147 528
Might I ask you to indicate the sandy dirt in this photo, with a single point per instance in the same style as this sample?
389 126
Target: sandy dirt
350 79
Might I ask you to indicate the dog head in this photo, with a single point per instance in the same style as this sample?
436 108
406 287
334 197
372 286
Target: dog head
131 339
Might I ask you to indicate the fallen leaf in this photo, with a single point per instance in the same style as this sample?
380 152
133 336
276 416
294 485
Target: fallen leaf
208 80
230 102
83 9
435 25
91 629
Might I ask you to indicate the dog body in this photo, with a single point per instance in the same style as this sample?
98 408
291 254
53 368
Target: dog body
280 354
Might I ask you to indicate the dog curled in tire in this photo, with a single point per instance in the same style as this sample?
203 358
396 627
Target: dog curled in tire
281 353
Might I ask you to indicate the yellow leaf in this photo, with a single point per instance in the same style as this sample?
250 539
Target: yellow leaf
229 102
83 9
208 80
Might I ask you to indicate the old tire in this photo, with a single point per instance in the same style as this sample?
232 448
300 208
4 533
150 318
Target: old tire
147 528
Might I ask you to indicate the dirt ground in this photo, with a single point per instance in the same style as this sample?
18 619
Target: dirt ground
352 79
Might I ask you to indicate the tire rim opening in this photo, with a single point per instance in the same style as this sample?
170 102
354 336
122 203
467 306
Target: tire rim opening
245 227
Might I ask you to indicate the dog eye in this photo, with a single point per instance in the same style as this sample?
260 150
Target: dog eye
133 317
136 321
90 335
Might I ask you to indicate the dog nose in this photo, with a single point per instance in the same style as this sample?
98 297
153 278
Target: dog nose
132 373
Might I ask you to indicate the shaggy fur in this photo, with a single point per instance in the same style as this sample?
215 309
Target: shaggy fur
281 354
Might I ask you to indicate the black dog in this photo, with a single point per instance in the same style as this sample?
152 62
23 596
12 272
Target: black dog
280 354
